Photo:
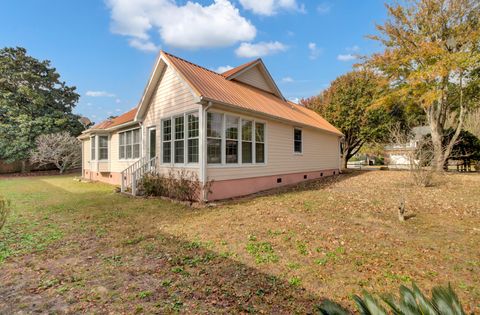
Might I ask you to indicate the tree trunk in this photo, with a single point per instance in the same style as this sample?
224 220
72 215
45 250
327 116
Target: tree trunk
438 152
344 162
24 166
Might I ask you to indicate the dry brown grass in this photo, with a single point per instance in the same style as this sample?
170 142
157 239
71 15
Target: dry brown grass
278 253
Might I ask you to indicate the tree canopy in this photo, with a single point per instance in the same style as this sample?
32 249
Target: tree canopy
348 105
432 59
33 101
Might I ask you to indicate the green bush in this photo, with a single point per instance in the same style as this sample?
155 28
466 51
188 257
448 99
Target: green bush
4 211
444 301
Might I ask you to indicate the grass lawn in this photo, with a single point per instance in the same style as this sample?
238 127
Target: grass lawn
71 247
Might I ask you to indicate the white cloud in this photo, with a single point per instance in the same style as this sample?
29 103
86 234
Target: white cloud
188 26
314 51
222 69
118 110
249 50
324 8
287 80
118 101
294 99
346 57
99 94
353 48
271 7
143 45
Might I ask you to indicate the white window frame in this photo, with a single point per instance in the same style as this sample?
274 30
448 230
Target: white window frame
185 140
301 141
93 148
132 144
239 163
98 148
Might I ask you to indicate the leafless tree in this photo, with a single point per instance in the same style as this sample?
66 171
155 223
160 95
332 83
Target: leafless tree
60 149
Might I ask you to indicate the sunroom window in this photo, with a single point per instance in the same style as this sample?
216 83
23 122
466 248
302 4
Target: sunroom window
167 141
193 133
103 147
231 139
247 141
129 144
179 147
92 148
214 138
259 143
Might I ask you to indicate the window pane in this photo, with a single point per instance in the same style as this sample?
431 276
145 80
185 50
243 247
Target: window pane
231 125
179 151
193 151
128 152
260 152
167 130
247 130
259 132
214 125
297 142
121 152
193 125
103 142
231 148
214 151
122 138
128 137
136 136
179 127
92 147
247 152
103 154
136 151
153 143
167 152
103 147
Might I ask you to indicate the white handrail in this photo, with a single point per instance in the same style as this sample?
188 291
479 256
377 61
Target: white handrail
135 172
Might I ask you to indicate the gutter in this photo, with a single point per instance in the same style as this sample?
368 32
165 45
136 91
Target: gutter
203 173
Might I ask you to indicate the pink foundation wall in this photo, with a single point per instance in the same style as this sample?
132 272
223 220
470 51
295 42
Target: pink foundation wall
230 188
107 177
241 187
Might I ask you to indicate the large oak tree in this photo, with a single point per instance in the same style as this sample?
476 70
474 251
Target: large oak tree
33 101
432 59
348 104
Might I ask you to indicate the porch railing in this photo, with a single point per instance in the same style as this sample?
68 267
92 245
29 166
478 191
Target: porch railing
135 172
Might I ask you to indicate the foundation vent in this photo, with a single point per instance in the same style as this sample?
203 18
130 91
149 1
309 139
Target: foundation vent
305 176
321 174
279 180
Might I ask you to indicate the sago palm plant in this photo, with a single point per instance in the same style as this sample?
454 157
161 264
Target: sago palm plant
444 301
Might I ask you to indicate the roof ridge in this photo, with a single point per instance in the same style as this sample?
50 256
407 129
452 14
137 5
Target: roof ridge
239 68
193 64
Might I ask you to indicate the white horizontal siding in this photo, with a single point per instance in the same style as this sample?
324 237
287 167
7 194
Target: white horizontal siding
320 151
254 77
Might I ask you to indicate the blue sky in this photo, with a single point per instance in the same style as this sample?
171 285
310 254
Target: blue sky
107 48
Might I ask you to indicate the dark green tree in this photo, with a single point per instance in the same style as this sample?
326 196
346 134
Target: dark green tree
33 101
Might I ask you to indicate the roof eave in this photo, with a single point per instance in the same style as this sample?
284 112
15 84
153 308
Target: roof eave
206 99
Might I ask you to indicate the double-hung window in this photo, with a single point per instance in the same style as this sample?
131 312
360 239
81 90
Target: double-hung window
129 144
231 139
179 143
214 138
167 141
103 147
259 142
92 148
297 140
247 141
192 135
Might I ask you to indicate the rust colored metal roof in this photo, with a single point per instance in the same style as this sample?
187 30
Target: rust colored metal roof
235 70
215 87
120 120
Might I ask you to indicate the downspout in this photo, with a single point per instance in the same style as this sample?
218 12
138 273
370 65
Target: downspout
203 173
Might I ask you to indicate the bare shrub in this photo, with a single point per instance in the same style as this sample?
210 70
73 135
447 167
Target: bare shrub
177 184
60 149
4 211
419 153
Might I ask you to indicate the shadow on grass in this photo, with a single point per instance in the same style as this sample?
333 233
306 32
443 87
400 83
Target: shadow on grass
151 274
310 185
